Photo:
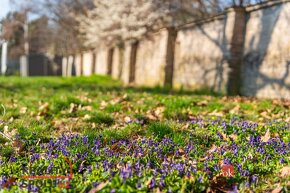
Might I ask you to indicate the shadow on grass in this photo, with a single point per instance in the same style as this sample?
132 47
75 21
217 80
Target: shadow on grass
96 83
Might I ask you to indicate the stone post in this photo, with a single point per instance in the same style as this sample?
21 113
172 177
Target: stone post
70 62
64 66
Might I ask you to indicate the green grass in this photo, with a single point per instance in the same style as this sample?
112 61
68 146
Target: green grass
43 108
101 118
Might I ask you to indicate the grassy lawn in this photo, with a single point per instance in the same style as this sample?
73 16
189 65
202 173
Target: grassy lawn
138 139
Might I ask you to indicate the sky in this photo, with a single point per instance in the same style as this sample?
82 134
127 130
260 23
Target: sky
4 8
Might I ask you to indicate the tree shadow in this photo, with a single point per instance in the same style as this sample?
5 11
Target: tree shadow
84 84
255 57
252 78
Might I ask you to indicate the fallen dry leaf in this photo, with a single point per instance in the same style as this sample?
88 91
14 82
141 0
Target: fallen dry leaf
127 119
87 108
285 171
266 137
277 190
221 184
44 106
73 108
235 110
18 145
87 117
23 110
202 103
99 187
233 137
216 113
264 114
103 105
10 182
159 111
212 149
158 190
181 151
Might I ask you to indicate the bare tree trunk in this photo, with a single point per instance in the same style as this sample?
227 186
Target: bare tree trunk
94 63
169 68
110 61
121 60
82 65
237 47
133 56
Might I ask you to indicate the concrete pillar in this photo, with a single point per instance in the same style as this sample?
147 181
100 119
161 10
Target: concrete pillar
64 66
235 36
4 58
24 66
70 65
124 74
118 61
87 63
78 64
101 61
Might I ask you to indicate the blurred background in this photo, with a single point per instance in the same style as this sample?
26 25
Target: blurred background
49 29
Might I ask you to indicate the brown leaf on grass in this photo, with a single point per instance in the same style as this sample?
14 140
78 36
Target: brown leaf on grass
87 117
11 120
285 171
87 108
18 145
151 117
43 106
159 111
185 127
202 103
149 181
9 133
216 113
266 137
125 96
181 151
193 162
203 158
264 114
115 147
72 108
115 101
235 110
277 190
10 182
127 119
23 110
221 184
158 190
225 137
212 149
103 105
99 187
233 137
